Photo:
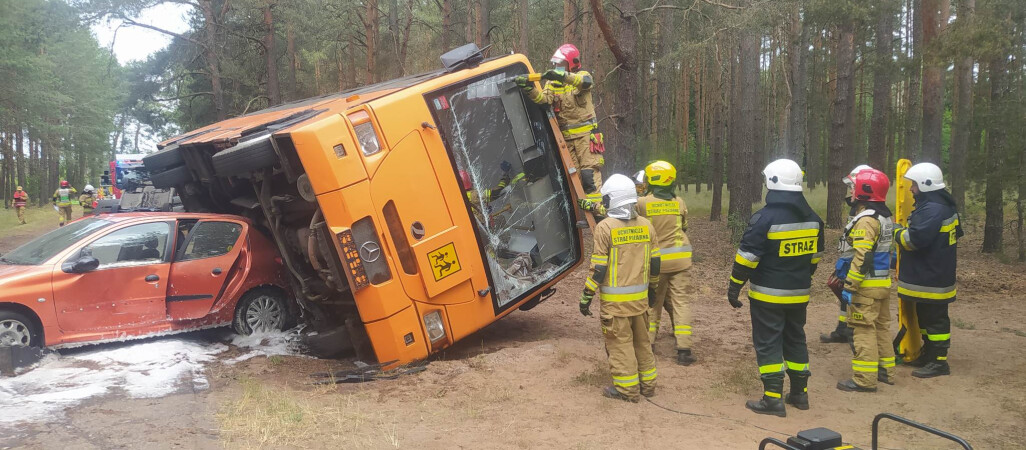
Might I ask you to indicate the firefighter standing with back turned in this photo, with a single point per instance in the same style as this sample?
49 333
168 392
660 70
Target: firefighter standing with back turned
669 216
778 254
568 89
63 198
867 285
87 199
625 267
928 261
842 333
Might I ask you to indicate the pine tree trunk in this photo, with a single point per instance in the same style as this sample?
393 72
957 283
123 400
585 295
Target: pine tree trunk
841 127
446 24
482 12
270 56
933 21
963 114
716 157
210 57
882 84
914 110
290 50
524 28
794 134
746 137
993 228
370 28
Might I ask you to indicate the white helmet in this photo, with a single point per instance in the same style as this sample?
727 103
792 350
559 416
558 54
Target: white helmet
639 177
850 179
88 188
927 175
783 175
620 191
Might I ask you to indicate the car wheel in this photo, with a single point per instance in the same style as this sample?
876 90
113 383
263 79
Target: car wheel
170 178
18 330
261 311
245 157
164 159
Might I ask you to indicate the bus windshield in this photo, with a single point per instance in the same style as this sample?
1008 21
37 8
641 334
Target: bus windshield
516 190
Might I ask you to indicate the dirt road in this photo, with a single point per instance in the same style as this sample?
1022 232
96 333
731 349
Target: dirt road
533 379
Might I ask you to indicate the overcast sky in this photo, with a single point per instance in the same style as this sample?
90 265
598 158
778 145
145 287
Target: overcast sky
135 43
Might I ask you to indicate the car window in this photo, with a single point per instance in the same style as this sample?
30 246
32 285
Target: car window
46 246
135 245
210 239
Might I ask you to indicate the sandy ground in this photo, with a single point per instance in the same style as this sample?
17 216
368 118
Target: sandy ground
533 380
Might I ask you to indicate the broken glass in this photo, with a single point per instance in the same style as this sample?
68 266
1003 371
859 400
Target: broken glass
515 186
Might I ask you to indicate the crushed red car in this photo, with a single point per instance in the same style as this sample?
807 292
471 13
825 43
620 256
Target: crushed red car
119 276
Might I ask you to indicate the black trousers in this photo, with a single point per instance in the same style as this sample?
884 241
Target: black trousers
778 334
935 326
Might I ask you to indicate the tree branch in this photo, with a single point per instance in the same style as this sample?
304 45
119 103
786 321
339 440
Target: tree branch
189 96
133 23
250 103
622 58
721 5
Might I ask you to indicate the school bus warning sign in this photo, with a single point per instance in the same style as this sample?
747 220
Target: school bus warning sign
444 261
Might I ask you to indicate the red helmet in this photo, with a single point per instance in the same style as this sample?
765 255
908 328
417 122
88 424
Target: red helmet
64 183
465 180
871 185
568 53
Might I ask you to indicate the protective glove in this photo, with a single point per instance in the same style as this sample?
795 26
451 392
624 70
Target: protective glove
522 82
586 204
586 298
554 75
651 297
505 166
898 229
846 297
733 292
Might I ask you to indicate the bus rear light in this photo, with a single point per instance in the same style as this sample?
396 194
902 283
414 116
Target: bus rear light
354 268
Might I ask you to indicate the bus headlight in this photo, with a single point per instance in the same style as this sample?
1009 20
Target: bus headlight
433 325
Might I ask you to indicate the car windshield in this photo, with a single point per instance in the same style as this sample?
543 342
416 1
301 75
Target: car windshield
516 189
46 246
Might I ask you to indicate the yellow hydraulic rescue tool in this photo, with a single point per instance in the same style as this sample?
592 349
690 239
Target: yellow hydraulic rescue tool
908 343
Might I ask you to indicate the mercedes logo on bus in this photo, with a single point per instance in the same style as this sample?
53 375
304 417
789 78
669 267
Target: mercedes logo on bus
370 252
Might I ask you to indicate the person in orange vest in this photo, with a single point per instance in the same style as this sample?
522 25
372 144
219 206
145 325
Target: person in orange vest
19 202
63 198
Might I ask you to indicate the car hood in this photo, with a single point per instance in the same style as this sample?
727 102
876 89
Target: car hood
20 280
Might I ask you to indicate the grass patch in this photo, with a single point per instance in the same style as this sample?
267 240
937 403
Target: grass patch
598 376
739 378
275 417
275 360
1019 333
963 324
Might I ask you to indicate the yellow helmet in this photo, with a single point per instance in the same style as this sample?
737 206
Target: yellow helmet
660 173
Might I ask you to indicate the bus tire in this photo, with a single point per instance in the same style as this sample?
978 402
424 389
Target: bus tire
170 178
167 158
245 157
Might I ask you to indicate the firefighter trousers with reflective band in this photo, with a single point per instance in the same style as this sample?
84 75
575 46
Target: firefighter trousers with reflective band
630 353
65 214
873 351
935 326
779 338
584 159
671 291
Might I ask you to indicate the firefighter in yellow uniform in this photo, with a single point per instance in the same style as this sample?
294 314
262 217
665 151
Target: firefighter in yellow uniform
63 198
669 216
625 266
87 199
867 285
568 90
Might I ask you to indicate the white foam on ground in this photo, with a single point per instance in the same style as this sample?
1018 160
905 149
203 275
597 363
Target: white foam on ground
140 370
273 343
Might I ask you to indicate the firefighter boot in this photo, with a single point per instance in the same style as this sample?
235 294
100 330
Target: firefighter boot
849 385
841 335
770 403
611 392
799 395
685 358
933 369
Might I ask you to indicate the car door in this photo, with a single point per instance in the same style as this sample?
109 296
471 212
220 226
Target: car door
202 266
128 287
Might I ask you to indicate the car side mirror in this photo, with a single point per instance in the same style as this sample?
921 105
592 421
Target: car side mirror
84 263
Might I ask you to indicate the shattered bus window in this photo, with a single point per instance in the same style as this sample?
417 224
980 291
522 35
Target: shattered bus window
516 188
